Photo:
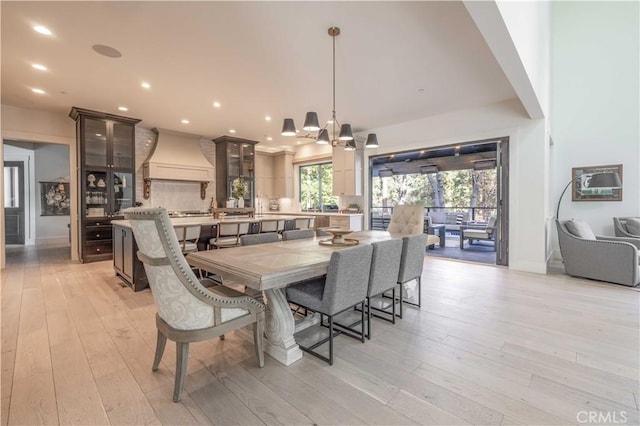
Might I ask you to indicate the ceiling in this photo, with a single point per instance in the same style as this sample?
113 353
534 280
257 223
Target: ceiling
395 62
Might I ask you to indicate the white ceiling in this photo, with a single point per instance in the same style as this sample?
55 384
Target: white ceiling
255 58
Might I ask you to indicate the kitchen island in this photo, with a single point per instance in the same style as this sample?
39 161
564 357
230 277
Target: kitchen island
347 220
131 271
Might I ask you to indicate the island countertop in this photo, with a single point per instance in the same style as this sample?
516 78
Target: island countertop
209 220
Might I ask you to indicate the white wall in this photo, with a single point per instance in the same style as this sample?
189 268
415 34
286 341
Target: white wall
595 102
51 165
528 154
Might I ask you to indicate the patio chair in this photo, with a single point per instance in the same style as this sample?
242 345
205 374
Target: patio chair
188 310
610 259
486 232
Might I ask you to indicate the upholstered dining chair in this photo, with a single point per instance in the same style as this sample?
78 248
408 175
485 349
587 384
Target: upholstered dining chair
297 234
411 263
383 276
344 287
252 239
228 234
188 310
272 225
407 219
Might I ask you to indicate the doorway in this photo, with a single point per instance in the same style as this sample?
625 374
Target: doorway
461 186
14 202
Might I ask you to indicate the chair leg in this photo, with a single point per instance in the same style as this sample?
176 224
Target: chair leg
330 340
182 355
393 305
419 287
369 317
258 340
161 341
362 324
400 301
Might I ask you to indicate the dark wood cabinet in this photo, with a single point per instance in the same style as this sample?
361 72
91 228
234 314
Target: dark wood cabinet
235 168
125 259
106 177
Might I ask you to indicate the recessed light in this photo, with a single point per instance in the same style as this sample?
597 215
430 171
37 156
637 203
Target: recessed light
298 142
39 67
185 121
269 138
232 130
42 30
107 51
38 91
145 85
216 104
123 108
98 134
267 118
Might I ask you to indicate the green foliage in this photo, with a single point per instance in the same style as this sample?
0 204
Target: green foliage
316 186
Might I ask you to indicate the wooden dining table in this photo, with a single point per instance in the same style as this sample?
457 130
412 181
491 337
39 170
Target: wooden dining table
269 268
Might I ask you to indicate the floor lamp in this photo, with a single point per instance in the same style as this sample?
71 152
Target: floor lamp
598 180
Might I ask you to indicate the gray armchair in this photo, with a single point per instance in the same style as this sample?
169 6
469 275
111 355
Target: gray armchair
627 227
611 259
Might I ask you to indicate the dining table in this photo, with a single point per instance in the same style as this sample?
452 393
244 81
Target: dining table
269 268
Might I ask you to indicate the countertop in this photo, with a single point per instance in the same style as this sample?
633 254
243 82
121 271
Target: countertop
209 220
312 214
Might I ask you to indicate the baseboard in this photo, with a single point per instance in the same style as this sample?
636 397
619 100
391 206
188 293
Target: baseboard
53 241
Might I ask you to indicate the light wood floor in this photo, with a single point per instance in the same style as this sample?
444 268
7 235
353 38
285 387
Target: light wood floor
489 346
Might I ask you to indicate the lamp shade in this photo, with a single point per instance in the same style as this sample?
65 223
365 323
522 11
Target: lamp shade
323 137
288 127
345 133
372 141
311 122
350 145
605 180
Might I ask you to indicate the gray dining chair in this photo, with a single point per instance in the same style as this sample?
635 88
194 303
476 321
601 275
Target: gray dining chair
252 239
383 277
344 287
411 263
188 309
297 234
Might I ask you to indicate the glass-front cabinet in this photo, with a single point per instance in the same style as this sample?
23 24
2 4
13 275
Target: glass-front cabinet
235 171
106 156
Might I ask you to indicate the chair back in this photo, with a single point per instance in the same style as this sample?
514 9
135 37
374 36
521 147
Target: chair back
228 229
412 259
173 284
297 234
302 223
188 236
269 225
407 219
385 266
624 229
243 228
252 239
347 279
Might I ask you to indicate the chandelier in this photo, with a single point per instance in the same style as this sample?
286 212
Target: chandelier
321 135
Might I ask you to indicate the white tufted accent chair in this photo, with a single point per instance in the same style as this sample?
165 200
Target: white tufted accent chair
189 310
407 219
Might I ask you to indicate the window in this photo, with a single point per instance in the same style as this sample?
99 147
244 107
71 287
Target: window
316 187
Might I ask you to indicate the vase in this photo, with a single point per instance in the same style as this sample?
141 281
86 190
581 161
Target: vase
240 203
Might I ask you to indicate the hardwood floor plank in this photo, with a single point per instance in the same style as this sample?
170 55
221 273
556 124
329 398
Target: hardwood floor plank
611 366
4 420
33 401
587 400
437 395
124 401
185 412
423 412
216 401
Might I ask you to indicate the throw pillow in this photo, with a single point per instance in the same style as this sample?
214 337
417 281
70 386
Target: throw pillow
633 226
580 229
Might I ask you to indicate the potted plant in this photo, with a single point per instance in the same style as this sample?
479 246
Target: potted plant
353 207
238 190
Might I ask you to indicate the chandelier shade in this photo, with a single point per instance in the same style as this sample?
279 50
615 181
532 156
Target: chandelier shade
322 135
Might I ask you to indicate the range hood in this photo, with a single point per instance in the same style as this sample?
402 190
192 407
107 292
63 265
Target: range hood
177 156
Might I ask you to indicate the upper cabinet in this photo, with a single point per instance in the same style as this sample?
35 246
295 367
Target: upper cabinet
264 175
106 176
347 172
283 174
235 170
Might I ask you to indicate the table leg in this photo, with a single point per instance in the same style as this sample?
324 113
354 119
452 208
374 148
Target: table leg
443 236
279 328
